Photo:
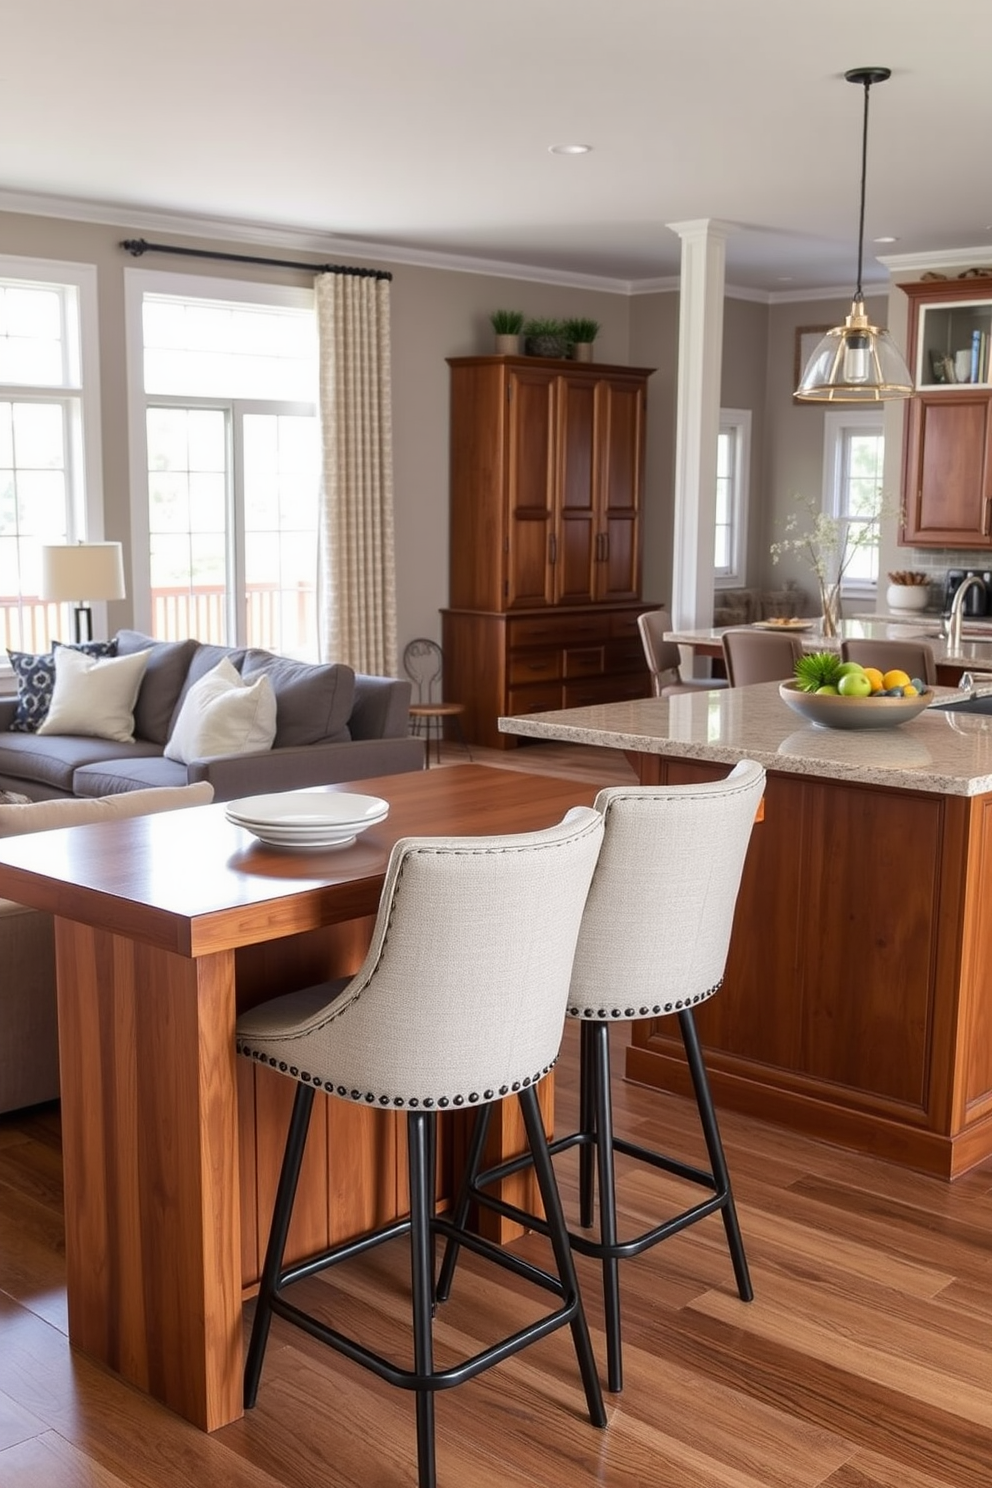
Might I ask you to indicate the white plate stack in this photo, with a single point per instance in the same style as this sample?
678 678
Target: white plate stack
307 821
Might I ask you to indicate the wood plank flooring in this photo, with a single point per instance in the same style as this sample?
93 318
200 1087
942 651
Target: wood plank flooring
865 1360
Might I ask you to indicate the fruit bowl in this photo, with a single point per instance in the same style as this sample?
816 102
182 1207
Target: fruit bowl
827 711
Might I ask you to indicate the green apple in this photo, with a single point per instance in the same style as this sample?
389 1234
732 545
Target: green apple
848 669
854 684
828 691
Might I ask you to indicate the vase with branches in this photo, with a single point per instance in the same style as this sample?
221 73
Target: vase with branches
829 546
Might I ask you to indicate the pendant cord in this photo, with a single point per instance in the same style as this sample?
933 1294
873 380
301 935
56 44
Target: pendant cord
864 172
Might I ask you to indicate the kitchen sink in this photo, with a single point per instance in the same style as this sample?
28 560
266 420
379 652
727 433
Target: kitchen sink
965 705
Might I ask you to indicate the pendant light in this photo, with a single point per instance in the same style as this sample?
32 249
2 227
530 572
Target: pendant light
857 362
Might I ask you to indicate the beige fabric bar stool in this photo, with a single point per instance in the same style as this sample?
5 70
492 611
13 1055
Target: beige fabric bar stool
915 658
664 659
654 941
759 656
460 1002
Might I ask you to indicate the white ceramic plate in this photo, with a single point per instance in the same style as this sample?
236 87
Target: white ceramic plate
304 810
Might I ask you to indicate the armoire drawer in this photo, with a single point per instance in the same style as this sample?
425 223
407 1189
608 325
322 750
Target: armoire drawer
533 666
543 698
584 661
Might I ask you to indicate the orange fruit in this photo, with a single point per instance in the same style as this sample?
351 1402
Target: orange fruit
895 679
910 691
876 678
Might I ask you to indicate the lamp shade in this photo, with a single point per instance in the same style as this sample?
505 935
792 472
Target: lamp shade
855 363
83 571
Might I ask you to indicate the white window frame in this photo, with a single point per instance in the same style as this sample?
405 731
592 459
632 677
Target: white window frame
80 400
737 421
138 283
838 425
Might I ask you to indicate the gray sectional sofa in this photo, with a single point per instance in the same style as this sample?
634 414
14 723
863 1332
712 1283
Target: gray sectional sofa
331 725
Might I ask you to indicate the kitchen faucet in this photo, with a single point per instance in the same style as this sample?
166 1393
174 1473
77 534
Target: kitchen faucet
957 612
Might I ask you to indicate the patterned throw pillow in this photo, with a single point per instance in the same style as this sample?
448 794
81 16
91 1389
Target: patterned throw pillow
36 679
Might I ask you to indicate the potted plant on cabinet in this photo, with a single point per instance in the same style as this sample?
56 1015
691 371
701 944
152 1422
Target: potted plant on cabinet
546 338
507 325
581 334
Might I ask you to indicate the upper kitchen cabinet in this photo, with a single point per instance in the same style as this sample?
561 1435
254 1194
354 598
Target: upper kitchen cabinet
947 455
546 482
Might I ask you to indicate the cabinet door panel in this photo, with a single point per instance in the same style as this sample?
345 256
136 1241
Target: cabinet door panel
530 488
947 476
576 529
620 445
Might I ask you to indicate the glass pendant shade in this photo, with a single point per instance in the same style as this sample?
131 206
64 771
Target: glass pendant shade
855 363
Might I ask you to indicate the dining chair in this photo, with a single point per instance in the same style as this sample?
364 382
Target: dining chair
664 660
759 656
460 1002
423 662
915 658
654 941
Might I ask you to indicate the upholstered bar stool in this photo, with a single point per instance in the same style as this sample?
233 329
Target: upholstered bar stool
915 658
654 941
759 656
460 1002
664 659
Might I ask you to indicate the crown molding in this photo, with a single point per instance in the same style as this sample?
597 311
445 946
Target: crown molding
948 258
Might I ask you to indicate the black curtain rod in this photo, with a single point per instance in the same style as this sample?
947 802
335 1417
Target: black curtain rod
137 246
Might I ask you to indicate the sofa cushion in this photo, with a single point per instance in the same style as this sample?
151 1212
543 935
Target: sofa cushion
313 703
204 659
53 759
36 678
165 673
111 777
224 714
45 816
94 696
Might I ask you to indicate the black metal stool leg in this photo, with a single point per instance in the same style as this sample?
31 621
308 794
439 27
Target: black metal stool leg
587 1123
282 1213
714 1146
558 1235
602 1095
459 1217
420 1144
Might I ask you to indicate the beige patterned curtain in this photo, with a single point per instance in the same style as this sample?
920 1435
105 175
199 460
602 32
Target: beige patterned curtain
357 565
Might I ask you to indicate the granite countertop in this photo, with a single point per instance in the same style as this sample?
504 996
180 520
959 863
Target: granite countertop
975 650
943 753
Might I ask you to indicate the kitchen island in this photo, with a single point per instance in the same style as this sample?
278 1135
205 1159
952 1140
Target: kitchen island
857 1003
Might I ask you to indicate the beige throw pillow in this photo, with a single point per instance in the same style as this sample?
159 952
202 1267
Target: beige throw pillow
224 714
94 696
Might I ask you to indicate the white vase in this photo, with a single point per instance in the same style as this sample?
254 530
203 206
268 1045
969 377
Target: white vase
907 596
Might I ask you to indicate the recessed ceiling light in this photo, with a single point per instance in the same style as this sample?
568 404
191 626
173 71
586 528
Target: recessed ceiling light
569 149
885 240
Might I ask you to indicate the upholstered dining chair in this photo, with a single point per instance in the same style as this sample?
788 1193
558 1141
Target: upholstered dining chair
915 658
664 660
759 656
460 1002
653 943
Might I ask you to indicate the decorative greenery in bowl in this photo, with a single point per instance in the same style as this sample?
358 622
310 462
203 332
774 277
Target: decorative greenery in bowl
546 338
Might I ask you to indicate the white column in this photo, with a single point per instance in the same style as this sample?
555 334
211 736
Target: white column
697 423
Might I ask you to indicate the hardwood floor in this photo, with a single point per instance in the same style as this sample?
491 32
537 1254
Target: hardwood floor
865 1360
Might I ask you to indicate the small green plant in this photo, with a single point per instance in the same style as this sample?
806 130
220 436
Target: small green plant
507 322
545 328
581 330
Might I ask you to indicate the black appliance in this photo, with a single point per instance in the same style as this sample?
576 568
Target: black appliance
978 600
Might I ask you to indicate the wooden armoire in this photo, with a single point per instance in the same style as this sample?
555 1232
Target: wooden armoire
546 482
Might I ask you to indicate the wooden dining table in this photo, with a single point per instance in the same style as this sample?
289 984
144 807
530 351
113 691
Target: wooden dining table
166 927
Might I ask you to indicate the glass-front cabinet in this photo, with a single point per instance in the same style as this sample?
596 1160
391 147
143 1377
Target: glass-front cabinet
947 455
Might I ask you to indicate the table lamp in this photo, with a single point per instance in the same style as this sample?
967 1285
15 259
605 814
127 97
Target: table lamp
72 570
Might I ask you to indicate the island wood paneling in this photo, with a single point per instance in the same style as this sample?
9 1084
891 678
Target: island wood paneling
856 1002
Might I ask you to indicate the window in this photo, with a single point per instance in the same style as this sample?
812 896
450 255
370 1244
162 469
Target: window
854 451
733 457
49 435
229 478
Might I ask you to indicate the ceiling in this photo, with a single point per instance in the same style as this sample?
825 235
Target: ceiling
422 127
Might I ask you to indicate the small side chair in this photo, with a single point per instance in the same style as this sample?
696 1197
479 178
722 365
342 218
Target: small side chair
759 656
423 662
664 660
915 658
654 941
460 1002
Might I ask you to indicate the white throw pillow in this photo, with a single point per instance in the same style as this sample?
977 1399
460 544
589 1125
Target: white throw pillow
94 696
224 714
